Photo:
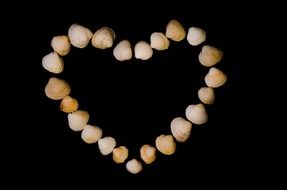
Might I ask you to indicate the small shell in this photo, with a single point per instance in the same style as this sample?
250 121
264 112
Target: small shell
61 45
78 120
143 50
120 154
104 38
69 104
206 95
159 41
181 129
91 134
166 144
106 145
134 166
196 114
196 36
210 56
148 154
53 63
175 31
79 36
57 89
215 78
123 51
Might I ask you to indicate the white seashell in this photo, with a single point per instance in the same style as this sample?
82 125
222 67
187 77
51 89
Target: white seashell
78 120
69 104
53 63
143 51
106 145
166 144
175 31
196 114
181 129
134 166
79 36
103 38
148 154
123 51
196 36
159 41
120 154
57 89
61 45
210 56
215 78
206 95
91 134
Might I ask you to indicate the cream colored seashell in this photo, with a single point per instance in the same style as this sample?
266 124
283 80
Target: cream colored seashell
57 89
104 38
123 51
166 144
175 31
215 78
61 45
91 134
69 104
120 154
106 145
53 63
143 50
134 166
78 120
80 36
196 114
210 56
196 36
159 41
206 95
181 129
148 154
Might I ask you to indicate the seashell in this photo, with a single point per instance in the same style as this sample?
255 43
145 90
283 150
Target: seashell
69 104
91 134
196 114
210 56
103 38
196 36
181 129
106 145
78 120
61 45
120 154
57 89
79 36
148 154
134 166
165 144
215 78
175 31
123 51
159 41
206 95
143 50
53 63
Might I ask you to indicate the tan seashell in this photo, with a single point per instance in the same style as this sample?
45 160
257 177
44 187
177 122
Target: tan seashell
196 36
123 51
91 134
57 89
181 129
107 145
143 50
175 31
134 166
61 45
148 154
120 154
69 104
53 63
215 78
206 95
103 38
196 114
210 56
166 144
79 36
159 41
78 120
